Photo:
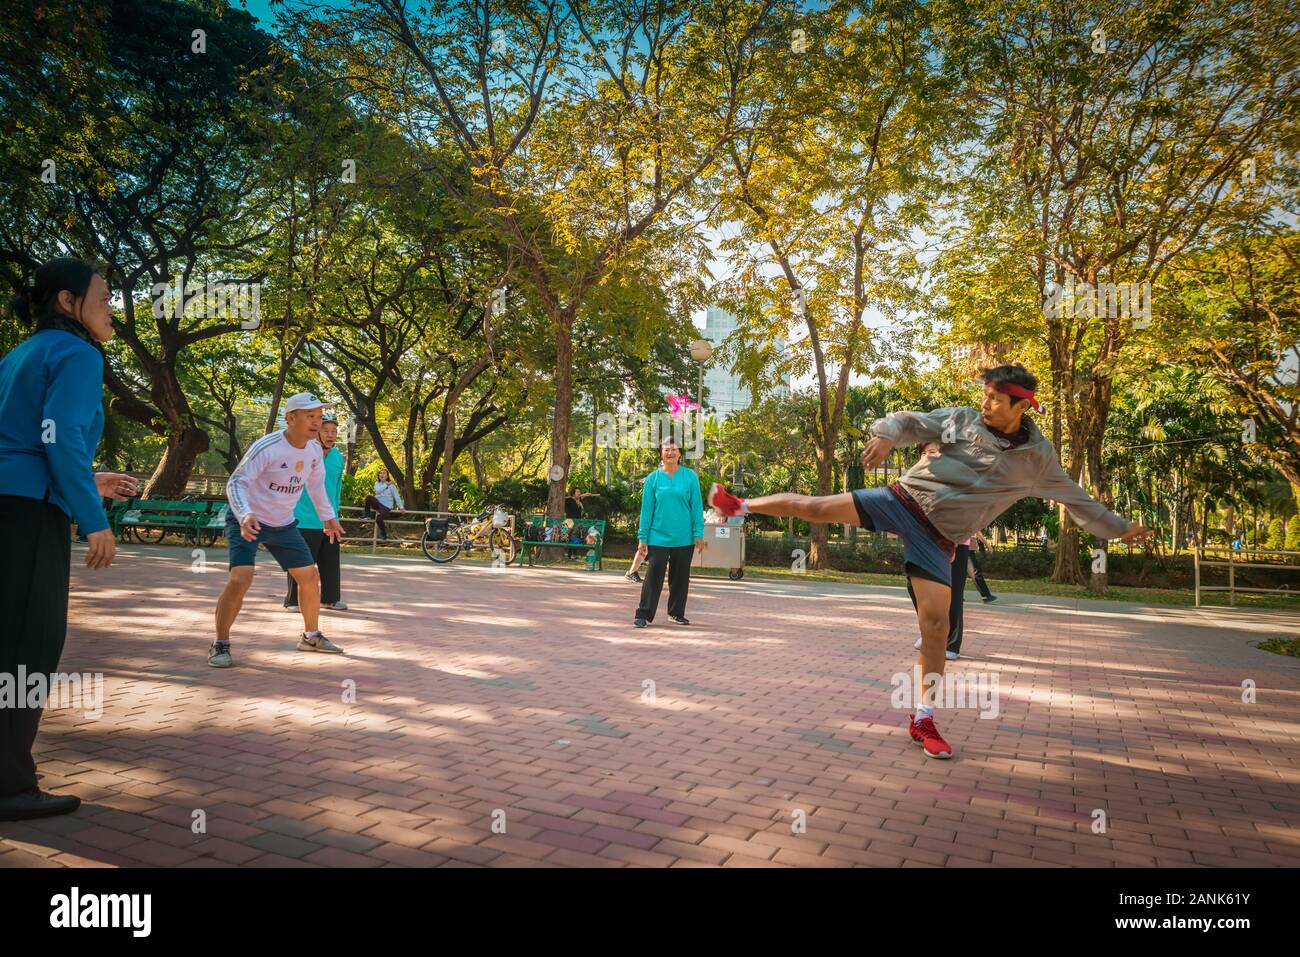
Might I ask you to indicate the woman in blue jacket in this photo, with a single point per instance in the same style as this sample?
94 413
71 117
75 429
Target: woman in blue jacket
51 417
672 524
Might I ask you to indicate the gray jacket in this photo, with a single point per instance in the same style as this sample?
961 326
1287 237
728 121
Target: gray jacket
973 477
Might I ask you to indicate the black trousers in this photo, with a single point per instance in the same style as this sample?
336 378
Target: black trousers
677 562
978 575
326 555
380 509
956 608
35 566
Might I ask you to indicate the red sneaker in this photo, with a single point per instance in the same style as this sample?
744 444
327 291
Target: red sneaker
726 503
924 733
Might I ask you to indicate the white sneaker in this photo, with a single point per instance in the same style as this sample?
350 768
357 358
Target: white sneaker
319 643
293 608
951 655
339 605
917 646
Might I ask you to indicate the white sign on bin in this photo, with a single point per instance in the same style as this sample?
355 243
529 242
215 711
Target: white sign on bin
723 532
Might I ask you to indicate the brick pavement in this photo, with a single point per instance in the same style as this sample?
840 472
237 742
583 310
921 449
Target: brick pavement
525 699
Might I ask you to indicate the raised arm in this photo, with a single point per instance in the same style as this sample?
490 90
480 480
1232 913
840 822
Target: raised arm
1056 484
905 429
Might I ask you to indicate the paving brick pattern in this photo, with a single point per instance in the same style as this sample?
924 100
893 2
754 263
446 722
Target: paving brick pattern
516 718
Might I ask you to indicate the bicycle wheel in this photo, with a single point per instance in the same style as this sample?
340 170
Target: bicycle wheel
148 536
500 541
441 551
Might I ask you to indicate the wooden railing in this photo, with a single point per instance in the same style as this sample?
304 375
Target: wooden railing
1233 563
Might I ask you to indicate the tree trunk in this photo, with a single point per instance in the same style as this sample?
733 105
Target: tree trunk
448 457
594 413
185 440
479 478
1067 570
1097 580
563 412
354 453
818 548
184 445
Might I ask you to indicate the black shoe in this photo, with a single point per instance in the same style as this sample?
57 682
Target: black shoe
633 577
36 803
680 620
640 622
990 598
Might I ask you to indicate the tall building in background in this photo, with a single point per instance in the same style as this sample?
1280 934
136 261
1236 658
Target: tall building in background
723 389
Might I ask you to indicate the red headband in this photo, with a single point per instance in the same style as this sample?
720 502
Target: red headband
1019 392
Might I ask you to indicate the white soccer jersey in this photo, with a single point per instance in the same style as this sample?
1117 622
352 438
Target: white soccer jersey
271 477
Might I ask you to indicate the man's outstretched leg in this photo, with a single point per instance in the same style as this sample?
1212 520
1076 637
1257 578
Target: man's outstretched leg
820 509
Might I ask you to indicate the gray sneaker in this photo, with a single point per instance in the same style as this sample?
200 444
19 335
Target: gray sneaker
339 605
319 643
219 655
293 608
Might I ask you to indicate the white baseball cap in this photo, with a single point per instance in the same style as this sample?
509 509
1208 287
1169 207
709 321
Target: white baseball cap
303 400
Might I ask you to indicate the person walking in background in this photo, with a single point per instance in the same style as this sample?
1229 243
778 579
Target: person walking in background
386 499
634 572
976 571
323 549
51 419
672 523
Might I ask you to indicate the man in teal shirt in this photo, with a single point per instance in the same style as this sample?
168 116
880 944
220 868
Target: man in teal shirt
672 524
312 529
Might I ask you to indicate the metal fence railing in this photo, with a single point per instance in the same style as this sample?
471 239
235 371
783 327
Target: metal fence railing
354 513
1235 561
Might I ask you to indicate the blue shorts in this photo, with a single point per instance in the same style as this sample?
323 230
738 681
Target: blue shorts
888 514
284 542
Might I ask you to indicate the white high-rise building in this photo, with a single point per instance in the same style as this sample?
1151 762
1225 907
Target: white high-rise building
723 389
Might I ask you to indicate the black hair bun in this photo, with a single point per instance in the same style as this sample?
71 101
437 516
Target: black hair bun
21 307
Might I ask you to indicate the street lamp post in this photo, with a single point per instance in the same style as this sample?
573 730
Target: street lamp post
701 352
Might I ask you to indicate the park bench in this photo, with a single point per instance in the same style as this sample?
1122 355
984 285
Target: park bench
534 537
151 519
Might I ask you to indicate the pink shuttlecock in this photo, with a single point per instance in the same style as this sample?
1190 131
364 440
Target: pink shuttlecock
681 404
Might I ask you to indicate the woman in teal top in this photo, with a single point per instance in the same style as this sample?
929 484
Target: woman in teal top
672 524
312 529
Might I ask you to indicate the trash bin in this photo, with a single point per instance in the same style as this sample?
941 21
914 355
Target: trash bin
724 547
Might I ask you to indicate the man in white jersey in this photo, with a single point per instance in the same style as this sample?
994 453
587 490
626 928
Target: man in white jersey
263 493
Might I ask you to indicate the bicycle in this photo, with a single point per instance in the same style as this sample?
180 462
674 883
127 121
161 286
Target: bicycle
444 538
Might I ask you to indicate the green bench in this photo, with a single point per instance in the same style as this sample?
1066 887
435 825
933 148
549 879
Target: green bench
534 537
198 523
